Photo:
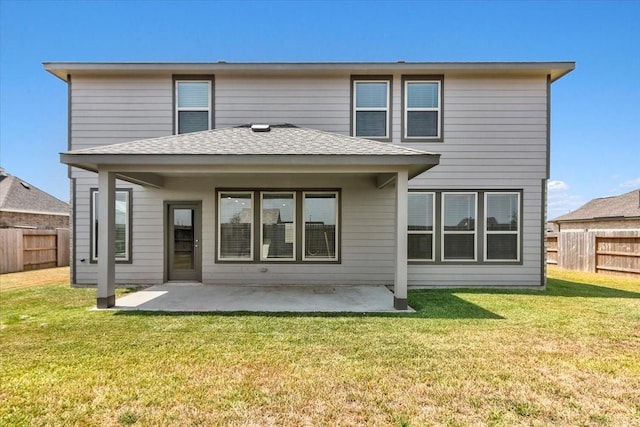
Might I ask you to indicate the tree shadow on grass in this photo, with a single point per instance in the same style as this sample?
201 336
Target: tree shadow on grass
565 288
559 288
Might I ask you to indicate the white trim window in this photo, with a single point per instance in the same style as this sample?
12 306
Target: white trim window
320 226
193 105
459 230
122 226
502 226
371 108
422 109
278 226
421 216
235 226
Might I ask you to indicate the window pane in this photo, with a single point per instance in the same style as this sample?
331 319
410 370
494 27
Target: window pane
459 212
278 225
502 246
183 239
422 95
193 95
502 212
236 217
122 215
420 212
371 95
320 234
419 246
192 121
458 246
422 123
371 123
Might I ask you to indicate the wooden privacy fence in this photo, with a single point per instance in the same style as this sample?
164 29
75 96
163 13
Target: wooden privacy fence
27 249
616 252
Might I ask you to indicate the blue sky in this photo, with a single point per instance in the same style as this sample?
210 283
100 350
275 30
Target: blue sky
595 109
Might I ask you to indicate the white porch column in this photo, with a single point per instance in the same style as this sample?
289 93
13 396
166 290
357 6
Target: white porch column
106 239
400 283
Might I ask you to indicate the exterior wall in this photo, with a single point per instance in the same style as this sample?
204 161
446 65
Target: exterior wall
627 224
367 257
30 220
495 138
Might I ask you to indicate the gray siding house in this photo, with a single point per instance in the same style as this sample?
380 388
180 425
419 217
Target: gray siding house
402 174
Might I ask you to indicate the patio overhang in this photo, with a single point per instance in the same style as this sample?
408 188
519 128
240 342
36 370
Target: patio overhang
282 150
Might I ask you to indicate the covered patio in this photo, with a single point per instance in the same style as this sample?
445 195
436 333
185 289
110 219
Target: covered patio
253 154
195 297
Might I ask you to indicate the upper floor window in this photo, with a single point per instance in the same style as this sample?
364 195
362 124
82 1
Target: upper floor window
422 109
193 105
371 107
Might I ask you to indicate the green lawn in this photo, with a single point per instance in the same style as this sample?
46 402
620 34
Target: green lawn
570 356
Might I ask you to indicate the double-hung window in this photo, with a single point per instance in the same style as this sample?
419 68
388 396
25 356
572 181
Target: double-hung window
122 225
193 105
288 225
502 218
459 211
422 109
320 213
420 241
278 225
235 226
371 108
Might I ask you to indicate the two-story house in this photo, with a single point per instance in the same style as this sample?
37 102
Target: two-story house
403 174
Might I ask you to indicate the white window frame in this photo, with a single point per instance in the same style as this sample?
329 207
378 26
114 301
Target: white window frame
179 109
475 228
262 255
127 226
386 109
487 231
433 228
337 228
407 109
219 227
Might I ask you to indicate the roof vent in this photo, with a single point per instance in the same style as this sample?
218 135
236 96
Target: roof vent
260 128
25 185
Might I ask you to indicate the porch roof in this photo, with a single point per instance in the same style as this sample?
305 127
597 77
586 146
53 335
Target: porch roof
283 146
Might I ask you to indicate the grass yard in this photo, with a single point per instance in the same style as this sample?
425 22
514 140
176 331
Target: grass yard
570 356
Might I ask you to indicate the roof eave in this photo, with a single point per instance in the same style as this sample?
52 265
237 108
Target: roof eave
91 161
611 218
556 69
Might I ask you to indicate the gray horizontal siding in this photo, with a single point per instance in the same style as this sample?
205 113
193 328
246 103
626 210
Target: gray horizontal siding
495 132
367 258
321 103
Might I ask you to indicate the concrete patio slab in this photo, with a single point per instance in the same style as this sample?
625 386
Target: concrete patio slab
190 297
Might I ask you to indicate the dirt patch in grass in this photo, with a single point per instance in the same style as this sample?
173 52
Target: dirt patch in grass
29 279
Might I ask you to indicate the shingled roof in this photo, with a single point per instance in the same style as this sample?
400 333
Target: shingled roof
624 206
283 146
280 140
17 195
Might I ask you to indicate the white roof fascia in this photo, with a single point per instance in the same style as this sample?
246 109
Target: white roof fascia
34 212
63 69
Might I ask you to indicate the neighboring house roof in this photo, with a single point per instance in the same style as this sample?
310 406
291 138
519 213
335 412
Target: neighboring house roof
554 69
616 207
17 195
280 145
